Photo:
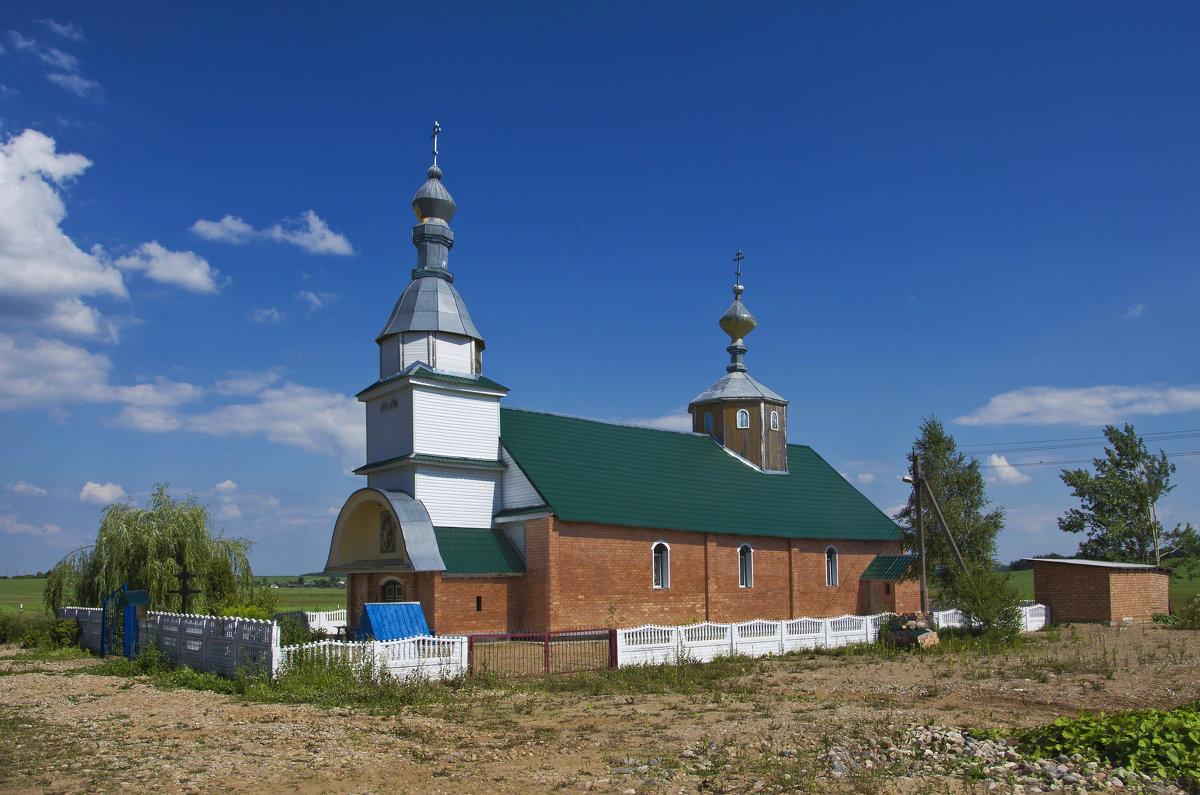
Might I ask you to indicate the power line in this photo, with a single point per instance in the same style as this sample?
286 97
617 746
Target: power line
1074 461
1036 445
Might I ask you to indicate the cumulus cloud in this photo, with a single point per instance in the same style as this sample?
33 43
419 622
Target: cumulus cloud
10 526
866 477
267 316
43 274
44 373
309 232
227 510
151 420
1002 472
69 31
307 418
26 489
184 269
1134 311
1095 405
247 383
101 495
226 486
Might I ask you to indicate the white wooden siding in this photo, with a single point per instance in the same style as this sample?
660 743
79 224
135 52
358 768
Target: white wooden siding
389 356
455 424
454 353
466 498
392 480
415 349
517 491
516 534
389 431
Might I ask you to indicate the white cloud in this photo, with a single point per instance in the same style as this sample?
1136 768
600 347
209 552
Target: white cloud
247 383
184 269
678 420
1000 471
43 274
10 526
309 232
227 510
1096 405
225 485
866 477
308 418
20 42
270 315
101 495
50 374
69 31
151 420
26 489
315 300
1134 311
57 59
229 229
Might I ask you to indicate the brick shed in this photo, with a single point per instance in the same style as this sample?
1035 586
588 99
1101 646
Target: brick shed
1099 591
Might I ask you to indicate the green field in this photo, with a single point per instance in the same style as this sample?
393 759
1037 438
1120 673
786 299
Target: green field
29 591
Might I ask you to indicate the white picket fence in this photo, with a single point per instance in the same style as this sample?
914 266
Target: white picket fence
425 657
328 622
226 645
205 643
653 644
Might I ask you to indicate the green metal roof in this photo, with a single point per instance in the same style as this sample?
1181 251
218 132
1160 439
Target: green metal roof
591 471
420 371
888 567
473 550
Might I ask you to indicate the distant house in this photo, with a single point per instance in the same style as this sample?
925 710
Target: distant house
1100 591
508 520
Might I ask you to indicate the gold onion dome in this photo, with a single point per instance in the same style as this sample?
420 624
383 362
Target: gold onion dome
737 321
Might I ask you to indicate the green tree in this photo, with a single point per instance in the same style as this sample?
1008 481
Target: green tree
147 548
1119 504
958 485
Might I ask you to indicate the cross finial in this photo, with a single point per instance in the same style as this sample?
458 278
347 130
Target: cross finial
738 257
437 128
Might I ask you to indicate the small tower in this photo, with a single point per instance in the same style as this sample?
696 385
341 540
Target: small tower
739 413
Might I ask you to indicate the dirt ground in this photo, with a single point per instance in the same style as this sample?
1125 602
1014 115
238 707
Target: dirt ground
63 730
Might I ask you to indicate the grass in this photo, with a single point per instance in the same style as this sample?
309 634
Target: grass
27 590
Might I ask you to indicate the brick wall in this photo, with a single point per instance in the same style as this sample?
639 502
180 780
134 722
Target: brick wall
476 604
1099 593
811 596
1138 595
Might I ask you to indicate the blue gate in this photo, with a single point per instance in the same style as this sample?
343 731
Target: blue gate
119 622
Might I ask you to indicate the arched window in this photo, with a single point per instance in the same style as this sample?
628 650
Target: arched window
774 420
831 567
662 565
743 418
745 566
392 591
708 422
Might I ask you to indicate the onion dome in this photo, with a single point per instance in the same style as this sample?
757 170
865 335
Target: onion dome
433 202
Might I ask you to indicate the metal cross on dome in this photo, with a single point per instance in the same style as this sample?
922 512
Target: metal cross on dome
738 257
437 128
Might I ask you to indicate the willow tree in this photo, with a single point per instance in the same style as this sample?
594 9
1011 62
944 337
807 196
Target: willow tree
147 549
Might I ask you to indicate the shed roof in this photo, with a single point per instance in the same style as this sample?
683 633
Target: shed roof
392 620
1105 564
888 567
591 471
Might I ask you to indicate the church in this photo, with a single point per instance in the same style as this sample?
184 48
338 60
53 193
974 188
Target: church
499 519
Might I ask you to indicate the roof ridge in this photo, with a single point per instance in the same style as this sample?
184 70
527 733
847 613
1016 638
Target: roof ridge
617 423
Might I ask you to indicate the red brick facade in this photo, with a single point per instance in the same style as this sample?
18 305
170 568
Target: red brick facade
587 575
1078 592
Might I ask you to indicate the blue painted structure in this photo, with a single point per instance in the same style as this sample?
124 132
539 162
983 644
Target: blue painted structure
391 621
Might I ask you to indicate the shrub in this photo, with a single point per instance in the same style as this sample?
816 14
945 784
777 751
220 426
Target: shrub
988 602
1189 614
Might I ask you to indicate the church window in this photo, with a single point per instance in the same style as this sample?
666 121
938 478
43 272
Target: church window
745 566
743 418
662 565
708 422
831 567
774 420
393 591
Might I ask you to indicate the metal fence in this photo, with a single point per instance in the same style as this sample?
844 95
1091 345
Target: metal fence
539 653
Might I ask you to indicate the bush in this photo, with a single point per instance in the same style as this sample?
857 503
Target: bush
1189 614
56 633
13 627
988 603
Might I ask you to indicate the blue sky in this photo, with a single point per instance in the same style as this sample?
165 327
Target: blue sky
984 212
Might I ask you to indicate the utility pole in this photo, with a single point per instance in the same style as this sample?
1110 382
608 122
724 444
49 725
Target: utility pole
916 461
